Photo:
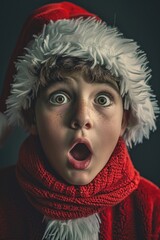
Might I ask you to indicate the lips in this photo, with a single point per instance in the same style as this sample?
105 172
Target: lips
80 151
80 154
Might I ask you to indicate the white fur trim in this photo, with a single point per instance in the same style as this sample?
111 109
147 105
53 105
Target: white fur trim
77 229
91 40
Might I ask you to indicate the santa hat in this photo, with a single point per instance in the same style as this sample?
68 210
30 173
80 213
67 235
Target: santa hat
66 29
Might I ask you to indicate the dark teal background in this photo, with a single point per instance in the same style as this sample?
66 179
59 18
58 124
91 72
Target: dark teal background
138 19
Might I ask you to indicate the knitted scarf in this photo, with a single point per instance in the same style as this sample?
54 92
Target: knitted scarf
56 199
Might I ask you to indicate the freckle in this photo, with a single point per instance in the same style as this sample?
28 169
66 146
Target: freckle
59 115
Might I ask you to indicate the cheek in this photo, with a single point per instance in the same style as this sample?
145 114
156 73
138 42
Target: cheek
108 132
111 122
48 126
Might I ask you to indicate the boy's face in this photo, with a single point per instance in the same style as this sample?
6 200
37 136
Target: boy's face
79 124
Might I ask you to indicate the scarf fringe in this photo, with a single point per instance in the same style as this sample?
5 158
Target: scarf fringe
87 228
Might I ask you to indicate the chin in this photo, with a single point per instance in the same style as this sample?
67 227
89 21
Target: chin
79 179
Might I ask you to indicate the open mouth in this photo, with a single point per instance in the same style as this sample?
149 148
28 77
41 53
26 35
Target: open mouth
80 152
80 155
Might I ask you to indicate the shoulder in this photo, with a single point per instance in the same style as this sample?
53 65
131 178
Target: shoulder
7 181
18 219
147 196
138 214
9 186
11 195
146 199
7 172
148 191
12 204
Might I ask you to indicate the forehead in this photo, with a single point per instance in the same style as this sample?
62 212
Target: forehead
68 77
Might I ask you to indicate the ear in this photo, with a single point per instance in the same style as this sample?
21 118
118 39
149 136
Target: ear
33 129
124 121
30 120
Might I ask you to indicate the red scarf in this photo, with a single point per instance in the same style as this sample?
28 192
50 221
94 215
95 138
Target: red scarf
56 199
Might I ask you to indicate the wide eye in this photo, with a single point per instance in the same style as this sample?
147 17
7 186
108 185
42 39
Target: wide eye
103 100
59 98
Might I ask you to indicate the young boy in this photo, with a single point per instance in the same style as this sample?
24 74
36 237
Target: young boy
80 89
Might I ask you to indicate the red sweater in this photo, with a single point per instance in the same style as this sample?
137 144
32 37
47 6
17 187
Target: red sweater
136 217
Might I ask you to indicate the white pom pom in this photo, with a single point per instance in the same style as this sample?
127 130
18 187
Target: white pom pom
86 228
4 128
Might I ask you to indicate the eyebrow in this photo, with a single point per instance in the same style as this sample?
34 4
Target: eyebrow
63 79
112 83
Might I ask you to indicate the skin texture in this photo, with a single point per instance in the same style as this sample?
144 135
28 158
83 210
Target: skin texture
75 108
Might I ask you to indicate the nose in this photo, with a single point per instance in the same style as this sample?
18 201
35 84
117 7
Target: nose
81 116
